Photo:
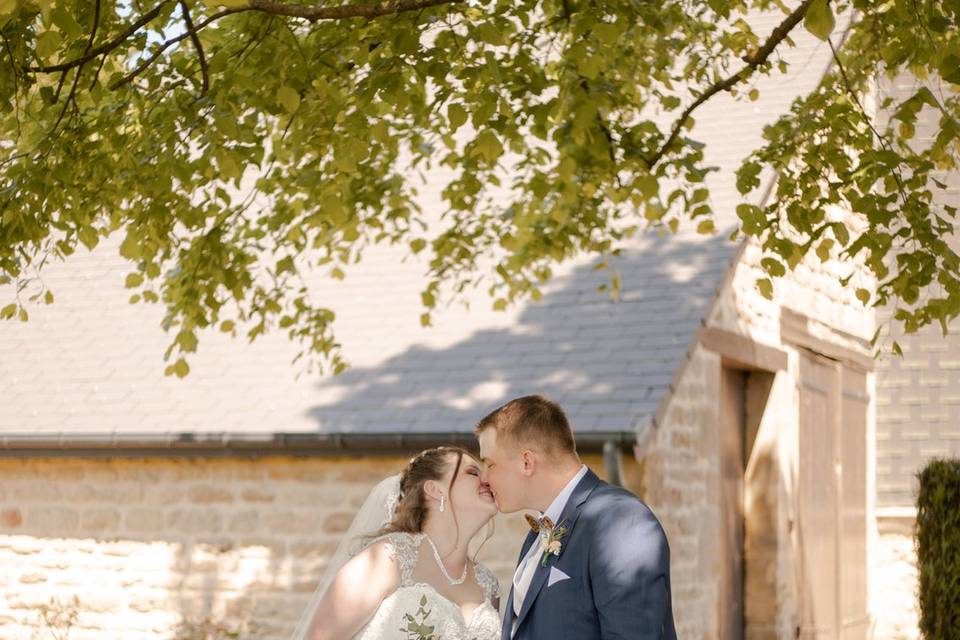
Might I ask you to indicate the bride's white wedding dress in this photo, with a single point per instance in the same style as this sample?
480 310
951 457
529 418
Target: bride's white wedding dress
390 622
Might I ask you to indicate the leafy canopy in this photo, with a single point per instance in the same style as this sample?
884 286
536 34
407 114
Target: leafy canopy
141 119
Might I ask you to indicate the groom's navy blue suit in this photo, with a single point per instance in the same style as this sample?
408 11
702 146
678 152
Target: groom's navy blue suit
611 579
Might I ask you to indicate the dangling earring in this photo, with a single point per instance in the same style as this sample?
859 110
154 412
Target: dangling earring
441 502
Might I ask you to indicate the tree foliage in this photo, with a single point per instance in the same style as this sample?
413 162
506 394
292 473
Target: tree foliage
142 120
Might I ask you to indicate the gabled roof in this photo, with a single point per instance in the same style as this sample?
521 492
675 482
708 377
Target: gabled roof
607 362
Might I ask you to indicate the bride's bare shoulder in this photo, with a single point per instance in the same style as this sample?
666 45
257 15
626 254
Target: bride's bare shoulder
376 567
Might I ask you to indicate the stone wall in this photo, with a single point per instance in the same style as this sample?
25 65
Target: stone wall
163 548
681 476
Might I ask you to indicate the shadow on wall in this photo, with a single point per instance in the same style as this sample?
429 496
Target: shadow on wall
606 362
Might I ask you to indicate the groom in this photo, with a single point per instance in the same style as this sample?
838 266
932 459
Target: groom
599 564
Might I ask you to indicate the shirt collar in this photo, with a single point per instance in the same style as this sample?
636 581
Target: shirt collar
555 510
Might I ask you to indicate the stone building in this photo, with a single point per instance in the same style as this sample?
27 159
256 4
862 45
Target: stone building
152 507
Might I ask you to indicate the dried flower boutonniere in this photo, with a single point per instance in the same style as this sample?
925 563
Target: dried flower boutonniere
552 536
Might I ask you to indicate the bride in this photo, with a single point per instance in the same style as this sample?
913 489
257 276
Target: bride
410 577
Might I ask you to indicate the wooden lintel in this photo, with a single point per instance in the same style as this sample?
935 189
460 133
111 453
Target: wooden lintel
743 352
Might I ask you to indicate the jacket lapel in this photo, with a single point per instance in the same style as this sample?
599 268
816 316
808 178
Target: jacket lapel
568 518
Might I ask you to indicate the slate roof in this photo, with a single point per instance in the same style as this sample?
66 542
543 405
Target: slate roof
92 363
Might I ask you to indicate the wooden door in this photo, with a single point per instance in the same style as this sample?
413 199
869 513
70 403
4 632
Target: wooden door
817 496
854 619
832 499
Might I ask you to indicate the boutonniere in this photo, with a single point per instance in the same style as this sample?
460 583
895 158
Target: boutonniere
552 536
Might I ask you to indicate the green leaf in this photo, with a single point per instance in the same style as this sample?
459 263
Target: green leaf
8 311
47 43
499 304
417 245
88 236
45 7
949 68
457 116
187 341
773 266
823 249
765 286
133 280
129 248
229 167
289 99
863 296
180 368
819 19
706 227
753 219
66 22
488 146
840 233
648 185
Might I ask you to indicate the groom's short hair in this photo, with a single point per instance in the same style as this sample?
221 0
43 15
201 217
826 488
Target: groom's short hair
532 420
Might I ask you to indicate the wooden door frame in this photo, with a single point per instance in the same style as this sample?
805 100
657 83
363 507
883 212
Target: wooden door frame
744 356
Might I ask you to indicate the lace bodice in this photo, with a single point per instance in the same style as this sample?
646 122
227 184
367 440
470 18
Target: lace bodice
419 603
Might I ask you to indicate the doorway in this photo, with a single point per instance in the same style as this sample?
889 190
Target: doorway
748 542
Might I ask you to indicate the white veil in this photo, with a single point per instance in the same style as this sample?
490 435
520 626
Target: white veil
376 512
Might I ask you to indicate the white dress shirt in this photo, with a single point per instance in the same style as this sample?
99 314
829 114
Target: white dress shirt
528 566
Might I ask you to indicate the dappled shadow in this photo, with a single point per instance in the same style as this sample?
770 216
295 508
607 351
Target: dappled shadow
608 363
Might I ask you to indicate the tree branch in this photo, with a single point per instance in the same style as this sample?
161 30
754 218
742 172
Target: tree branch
382 8
76 79
104 48
776 37
199 47
169 43
16 82
866 118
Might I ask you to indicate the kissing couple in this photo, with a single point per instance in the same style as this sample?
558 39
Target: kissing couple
595 564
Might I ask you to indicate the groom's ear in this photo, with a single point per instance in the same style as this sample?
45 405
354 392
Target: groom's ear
528 461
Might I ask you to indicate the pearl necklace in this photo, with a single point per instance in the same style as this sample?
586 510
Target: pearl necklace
443 569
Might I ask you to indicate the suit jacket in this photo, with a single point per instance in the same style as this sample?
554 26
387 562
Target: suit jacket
611 579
